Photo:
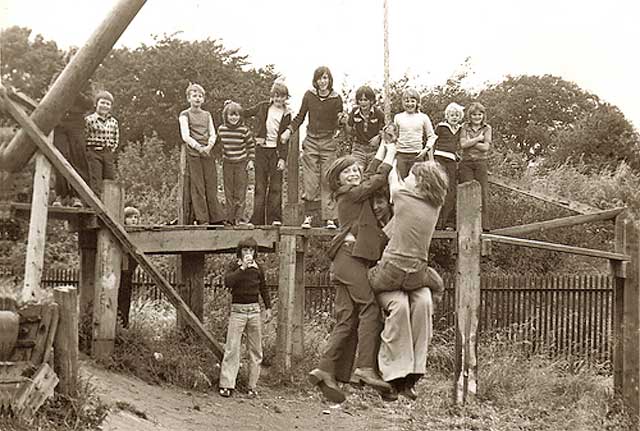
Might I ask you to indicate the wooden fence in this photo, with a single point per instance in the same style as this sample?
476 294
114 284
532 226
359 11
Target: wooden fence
563 315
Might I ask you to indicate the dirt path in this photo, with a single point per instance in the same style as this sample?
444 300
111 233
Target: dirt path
139 406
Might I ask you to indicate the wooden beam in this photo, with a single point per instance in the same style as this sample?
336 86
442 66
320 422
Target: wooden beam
87 195
87 240
297 330
618 301
37 228
558 201
555 247
192 283
58 213
107 277
469 227
64 90
66 341
172 240
558 223
291 211
631 326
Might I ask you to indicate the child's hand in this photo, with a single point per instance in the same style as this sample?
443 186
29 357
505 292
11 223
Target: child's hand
280 166
375 141
250 165
285 135
266 315
343 118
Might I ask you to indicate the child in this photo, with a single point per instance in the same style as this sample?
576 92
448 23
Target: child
403 281
365 122
198 133
446 153
273 118
103 137
246 281
354 249
131 218
475 141
238 150
319 147
413 128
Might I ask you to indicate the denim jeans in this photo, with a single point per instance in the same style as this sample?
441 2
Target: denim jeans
317 156
244 318
236 179
267 205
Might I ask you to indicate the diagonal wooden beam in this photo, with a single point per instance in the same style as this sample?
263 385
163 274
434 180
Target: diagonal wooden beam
558 201
15 154
63 166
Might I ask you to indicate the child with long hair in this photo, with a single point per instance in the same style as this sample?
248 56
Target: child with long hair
356 247
319 148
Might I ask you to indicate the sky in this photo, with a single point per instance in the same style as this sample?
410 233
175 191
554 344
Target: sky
593 44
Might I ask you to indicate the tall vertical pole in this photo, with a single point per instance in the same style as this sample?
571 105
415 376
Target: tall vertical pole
387 95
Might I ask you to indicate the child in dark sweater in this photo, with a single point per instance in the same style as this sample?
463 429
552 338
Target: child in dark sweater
246 281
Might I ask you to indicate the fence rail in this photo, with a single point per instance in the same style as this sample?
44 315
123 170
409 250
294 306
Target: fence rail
560 314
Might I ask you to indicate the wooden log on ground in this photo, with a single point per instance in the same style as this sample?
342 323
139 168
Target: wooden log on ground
87 195
66 340
15 154
107 277
469 228
37 228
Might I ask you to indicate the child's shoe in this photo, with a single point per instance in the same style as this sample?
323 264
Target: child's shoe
57 202
225 392
252 393
76 203
331 225
276 223
306 224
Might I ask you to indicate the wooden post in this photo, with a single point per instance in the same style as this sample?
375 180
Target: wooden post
65 89
87 239
297 330
192 289
387 95
290 297
617 271
107 278
291 216
37 228
469 228
66 341
631 325
185 215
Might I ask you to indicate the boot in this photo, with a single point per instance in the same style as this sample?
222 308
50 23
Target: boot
327 385
370 377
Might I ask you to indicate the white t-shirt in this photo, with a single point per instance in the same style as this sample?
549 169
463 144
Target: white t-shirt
274 116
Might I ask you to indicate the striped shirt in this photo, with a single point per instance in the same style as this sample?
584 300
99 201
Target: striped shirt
237 143
102 132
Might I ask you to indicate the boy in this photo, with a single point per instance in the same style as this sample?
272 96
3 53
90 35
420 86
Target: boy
246 281
103 138
364 123
131 218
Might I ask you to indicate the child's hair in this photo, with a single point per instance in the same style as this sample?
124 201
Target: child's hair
431 182
390 133
195 87
412 93
332 175
477 107
279 88
131 211
247 243
103 94
317 74
453 107
230 107
366 92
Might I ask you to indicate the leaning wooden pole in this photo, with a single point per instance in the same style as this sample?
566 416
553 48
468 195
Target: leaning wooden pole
15 154
387 95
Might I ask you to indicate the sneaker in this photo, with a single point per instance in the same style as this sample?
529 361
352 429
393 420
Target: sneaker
57 202
306 224
331 225
76 203
276 223
225 392
252 393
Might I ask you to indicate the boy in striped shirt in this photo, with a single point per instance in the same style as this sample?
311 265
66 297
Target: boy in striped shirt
238 149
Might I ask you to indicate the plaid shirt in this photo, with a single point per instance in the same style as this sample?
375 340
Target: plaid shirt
102 132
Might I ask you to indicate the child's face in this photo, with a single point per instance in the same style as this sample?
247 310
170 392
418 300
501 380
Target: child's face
132 219
323 82
410 104
233 118
381 208
279 100
103 107
364 103
350 176
390 134
196 99
247 254
476 117
454 117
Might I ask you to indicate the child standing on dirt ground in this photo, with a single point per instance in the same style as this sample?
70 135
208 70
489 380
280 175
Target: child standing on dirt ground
364 123
319 148
475 141
129 265
246 281
414 129
446 153
273 118
198 133
103 138
238 148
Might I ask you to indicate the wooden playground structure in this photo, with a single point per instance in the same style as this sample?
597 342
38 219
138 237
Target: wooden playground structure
105 245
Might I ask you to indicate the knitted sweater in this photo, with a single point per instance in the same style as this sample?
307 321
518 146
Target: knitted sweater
448 142
323 113
246 285
237 142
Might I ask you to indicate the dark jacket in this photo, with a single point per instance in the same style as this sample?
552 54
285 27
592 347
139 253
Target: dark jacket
260 111
356 214
323 113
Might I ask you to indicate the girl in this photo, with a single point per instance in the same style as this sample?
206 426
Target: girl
475 141
273 118
238 151
365 123
319 147
403 281
413 127
354 250
198 134
446 153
